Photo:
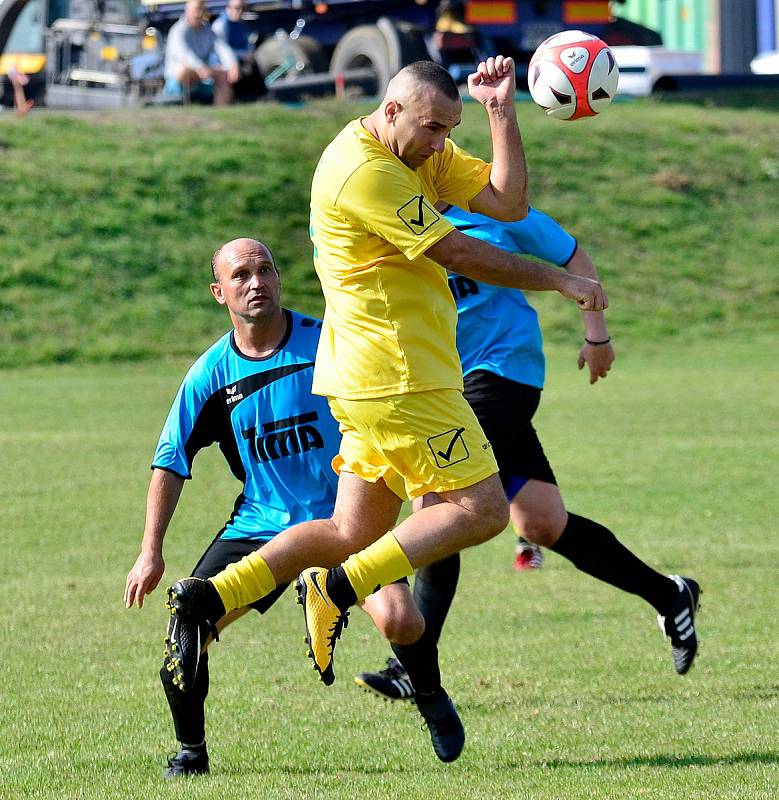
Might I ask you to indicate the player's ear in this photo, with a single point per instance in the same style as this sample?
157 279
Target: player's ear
391 110
216 291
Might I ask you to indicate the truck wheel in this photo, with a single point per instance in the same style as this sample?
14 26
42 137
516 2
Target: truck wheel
273 52
363 47
405 42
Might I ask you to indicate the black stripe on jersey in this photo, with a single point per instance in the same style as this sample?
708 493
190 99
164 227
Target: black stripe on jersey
213 421
240 390
289 422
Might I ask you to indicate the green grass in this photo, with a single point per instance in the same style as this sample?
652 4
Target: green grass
107 222
565 686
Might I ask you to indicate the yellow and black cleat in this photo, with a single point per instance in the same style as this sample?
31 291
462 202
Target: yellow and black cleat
324 620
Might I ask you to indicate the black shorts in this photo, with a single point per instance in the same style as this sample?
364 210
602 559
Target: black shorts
222 552
505 409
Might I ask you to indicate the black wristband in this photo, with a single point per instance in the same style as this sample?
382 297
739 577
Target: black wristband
589 341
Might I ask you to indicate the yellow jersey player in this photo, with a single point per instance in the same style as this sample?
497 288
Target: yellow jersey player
387 361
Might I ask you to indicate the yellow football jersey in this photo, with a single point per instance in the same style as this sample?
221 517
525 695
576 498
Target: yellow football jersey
390 319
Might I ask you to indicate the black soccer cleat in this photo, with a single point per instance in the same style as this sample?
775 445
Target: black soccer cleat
188 762
679 624
443 722
195 607
391 683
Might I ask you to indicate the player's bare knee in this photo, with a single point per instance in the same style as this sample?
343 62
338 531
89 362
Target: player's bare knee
493 517
395 616
403 626
342 537
543 530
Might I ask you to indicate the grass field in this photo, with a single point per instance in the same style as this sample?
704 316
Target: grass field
565 686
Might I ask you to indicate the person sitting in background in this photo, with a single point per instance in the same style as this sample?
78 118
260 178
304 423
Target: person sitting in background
230 29
197 61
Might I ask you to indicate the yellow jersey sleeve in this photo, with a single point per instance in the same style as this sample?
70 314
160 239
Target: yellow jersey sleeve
457 175
387 200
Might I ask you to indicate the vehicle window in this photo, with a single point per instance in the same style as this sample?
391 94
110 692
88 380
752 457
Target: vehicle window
27 34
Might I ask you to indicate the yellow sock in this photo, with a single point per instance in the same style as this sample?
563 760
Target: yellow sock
244 582
379 564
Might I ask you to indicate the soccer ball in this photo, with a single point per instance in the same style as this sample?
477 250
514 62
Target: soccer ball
572 75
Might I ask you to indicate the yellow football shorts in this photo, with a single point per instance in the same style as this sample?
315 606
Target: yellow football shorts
418 443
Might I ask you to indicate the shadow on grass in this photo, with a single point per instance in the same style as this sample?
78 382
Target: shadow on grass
672 761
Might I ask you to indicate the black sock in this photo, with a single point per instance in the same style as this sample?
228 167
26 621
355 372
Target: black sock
188 708
215 609
340 590
434 590
595 550
421 662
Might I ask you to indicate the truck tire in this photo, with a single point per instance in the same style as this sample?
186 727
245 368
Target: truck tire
364 47
406 42
273 52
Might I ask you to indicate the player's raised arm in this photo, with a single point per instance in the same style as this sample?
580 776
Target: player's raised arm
506 197
163 496
484 262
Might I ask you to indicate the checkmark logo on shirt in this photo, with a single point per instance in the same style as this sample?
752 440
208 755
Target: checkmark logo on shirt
418 215
449 447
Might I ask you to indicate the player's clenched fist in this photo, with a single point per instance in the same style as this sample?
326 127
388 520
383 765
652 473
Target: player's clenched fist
588 293
493 81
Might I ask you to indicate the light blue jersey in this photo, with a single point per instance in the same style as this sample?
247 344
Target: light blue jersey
278 438
497 329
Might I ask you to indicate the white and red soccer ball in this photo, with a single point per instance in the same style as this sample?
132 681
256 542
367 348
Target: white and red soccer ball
572 75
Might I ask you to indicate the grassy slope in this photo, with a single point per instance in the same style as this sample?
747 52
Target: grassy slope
565 686
107 222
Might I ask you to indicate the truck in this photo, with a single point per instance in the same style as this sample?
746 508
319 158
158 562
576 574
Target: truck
108 53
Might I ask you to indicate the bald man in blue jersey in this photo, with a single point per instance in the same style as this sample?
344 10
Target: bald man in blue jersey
500 346
250 393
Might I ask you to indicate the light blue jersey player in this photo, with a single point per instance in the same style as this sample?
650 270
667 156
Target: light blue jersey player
277 437
249 393
500 346
497 329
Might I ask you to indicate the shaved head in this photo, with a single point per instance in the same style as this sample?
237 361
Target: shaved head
247 281
418 77
236 250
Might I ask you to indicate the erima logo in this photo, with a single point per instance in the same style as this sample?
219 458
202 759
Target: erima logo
461 287
282 438
575 58
232 397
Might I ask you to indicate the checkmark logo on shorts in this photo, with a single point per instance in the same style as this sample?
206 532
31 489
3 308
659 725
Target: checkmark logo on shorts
418 215
449 447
